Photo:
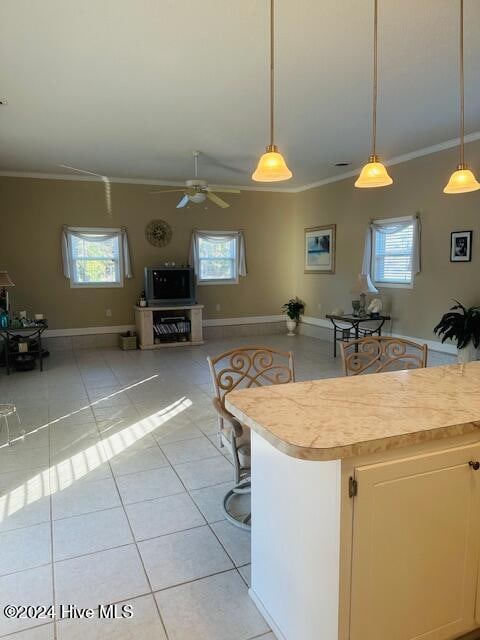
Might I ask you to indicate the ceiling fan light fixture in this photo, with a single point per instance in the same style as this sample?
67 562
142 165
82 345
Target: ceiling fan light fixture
462 181
271 167
373 174
198 198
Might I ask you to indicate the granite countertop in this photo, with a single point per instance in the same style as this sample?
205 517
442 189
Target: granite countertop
344 417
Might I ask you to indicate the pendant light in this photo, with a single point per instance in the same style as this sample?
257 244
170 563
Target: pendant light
271 166
462 179
374 173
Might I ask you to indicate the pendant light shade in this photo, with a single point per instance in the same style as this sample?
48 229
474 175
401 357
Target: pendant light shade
374 173
462 179
272 166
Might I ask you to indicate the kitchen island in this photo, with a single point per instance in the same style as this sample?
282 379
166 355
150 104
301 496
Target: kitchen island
366 504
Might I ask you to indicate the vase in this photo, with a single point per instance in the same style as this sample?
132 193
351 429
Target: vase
291 326
467 354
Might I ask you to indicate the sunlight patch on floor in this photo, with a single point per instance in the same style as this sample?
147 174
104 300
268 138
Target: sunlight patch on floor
62 475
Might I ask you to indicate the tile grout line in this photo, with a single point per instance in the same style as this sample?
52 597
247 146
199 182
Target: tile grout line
136 544
124 507
208 523
128 521
51 521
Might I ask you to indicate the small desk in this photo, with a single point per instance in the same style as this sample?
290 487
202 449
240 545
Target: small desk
354 322
25 333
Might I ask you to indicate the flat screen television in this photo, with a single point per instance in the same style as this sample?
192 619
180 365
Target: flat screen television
165 286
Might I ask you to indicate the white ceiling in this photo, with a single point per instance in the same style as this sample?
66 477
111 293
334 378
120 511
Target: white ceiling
128 88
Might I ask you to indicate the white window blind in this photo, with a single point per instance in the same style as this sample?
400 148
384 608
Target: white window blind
392 259
217 259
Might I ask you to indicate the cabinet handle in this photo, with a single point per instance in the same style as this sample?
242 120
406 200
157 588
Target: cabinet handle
474 464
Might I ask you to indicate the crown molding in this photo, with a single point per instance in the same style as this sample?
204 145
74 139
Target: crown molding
140 181
406 157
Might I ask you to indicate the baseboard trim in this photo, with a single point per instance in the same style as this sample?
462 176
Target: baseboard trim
433 345
87 331
225 322
324 323
261 607
217 322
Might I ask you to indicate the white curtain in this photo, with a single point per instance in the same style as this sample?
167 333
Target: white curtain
387 229
92 236
218 236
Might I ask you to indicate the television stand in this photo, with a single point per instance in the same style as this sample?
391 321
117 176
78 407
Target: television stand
172 326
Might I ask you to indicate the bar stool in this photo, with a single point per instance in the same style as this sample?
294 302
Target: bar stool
7 410
244 367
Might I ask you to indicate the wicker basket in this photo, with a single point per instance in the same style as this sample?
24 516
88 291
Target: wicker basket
127 342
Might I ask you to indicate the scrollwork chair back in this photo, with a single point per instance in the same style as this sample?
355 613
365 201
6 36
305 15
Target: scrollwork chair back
247 367
376 354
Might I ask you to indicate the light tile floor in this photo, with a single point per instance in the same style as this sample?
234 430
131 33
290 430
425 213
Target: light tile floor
114 495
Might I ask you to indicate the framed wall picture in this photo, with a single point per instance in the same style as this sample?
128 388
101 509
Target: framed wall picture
320 249
461 246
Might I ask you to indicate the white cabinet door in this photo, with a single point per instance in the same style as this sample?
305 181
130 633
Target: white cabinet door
415 547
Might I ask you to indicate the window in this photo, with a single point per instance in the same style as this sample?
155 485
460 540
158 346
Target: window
217 259
95 257
393 252
218 256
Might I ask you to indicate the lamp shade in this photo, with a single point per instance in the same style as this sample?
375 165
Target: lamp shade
462 181
364 284
271 167
5 280
373 174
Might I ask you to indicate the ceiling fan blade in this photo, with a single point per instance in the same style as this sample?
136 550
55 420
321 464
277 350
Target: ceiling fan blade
166 191
218 201
90 173
226 190
226 166
183 202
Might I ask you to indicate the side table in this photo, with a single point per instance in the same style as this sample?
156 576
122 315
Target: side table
354 322
13 335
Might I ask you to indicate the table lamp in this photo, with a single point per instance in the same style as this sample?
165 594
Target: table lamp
5 281
363 286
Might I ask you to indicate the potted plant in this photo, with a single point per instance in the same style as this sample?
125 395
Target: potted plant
462 325
294 309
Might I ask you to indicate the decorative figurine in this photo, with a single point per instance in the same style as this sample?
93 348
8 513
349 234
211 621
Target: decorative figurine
375 307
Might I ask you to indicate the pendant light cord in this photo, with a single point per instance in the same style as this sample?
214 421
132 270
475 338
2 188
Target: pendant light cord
272 72
462 91
375 73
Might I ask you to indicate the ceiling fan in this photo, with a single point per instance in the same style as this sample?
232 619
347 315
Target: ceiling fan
197 190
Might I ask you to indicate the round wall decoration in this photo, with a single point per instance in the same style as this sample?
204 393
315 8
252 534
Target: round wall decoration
158 233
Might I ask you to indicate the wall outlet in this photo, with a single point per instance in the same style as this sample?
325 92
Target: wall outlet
108 313
217 307
320 306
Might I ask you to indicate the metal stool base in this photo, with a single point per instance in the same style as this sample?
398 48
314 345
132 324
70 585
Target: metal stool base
245 521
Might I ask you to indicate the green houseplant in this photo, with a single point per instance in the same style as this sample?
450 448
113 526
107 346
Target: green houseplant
294 309
461 325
